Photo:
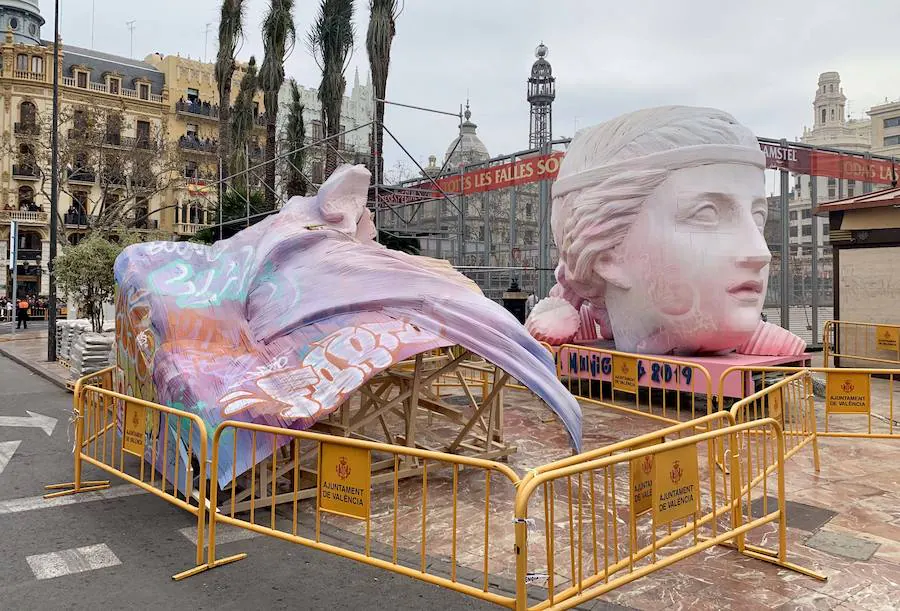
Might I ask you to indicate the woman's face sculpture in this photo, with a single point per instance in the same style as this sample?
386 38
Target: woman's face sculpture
691 273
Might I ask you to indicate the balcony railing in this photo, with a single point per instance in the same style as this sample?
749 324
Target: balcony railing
82 175
77 220
197 109
25 171
27 128
28 254
29 76
195 144
68 81
189 228
147 225
28 217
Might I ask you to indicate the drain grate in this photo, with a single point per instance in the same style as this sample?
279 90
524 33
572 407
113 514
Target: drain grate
799 515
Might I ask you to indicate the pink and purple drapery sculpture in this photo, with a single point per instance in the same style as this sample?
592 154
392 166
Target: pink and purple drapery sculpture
281 323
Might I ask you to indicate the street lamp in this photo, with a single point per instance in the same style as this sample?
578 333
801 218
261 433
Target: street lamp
54 190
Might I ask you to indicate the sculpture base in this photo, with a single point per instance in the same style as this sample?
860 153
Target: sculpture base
715 365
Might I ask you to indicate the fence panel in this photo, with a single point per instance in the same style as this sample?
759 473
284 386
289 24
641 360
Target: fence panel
611 520
860 343
421 515
667 390
120 434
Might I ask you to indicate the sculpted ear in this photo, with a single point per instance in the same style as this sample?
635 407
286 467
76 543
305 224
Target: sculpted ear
609 267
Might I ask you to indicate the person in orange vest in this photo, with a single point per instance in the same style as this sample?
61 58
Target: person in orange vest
22 314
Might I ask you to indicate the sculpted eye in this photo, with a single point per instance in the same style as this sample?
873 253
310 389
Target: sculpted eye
705 214
760 217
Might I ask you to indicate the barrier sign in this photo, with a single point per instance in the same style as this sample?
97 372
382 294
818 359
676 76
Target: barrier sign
676 484
642 481
625 374
847 393
887 338
345 480
776 405
135 429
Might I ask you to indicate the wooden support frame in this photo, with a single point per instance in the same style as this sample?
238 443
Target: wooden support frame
401 406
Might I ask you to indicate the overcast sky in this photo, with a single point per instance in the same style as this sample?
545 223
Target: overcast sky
758 59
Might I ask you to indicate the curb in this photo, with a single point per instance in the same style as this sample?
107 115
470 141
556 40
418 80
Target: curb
33 368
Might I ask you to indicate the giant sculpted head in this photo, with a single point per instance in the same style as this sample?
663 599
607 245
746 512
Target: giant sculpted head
658 216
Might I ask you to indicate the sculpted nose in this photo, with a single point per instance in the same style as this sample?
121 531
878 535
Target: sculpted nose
754 262
754 253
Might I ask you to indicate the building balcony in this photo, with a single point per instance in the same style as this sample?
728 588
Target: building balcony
113 179
77 220
25 172
28 254
189 228
26 128
195 145
27 75
24 217
68 81
197 109
82 175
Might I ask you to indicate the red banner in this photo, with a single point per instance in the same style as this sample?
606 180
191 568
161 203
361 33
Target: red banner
824 163
519 172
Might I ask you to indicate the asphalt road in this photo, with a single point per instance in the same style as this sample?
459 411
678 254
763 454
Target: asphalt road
127 546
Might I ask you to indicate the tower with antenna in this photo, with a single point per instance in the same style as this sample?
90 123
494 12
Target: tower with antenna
541 93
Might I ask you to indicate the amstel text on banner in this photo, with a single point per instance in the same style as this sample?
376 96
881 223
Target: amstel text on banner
625 374
847 393
345 480
642 481
134 429
676 484
887 338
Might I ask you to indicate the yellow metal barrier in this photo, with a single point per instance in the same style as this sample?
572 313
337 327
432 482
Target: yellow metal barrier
785 394
115 433
663 389
672 502
339 471
860 341
848 400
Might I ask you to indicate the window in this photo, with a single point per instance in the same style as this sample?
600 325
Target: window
191 130
13 23
317 132
114 86
26 196
851 188
825 229
892 122
79 202
807 230
831 192
81 79
144 91
193 95
891 140
831 89
21 62
832 182
823 115
793 231
190 169
142 129
37 65
832 114
114 129
794 215
79 119
806 213
27 113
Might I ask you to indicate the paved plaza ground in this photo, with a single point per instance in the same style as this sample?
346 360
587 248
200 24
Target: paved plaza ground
843 521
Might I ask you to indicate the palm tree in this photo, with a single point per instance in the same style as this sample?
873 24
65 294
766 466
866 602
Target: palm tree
295 180
230 32
331 43
279 35
242 120
382 28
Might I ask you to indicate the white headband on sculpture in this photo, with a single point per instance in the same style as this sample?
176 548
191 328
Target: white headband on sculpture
674 159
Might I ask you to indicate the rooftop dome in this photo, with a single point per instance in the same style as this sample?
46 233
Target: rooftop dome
470 150
22 18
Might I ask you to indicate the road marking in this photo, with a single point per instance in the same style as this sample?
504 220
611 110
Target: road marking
7 449
69 561
224 534
33 420
39 502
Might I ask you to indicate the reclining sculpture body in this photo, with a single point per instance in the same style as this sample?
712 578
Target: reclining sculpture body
658 216
282 322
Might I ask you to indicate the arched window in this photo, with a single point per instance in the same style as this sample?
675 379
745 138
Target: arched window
823 115
832 113
26 197
37 65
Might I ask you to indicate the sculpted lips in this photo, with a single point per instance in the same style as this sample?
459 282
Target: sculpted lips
747 292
